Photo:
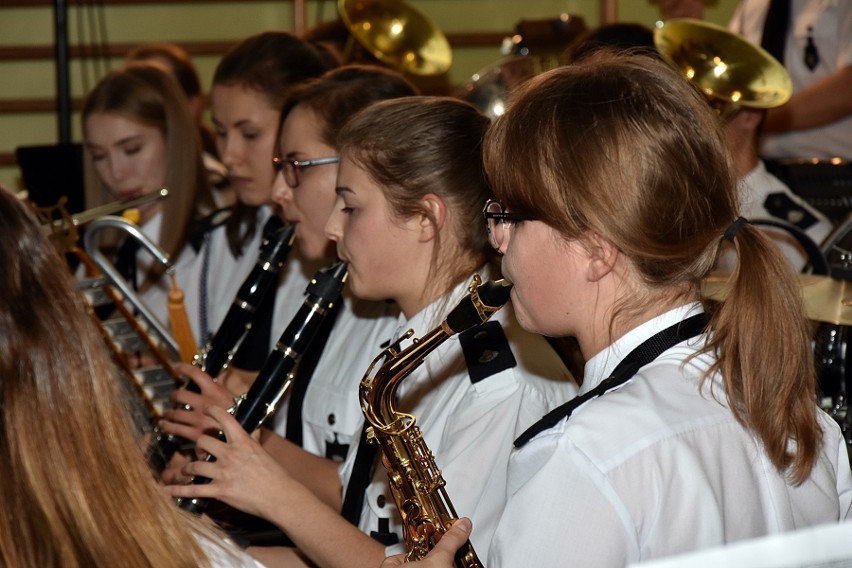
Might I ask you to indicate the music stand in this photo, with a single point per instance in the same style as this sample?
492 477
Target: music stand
50 172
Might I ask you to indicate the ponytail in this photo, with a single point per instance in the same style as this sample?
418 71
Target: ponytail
762 339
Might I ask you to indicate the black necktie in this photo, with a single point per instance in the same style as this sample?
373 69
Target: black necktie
305 372
775 28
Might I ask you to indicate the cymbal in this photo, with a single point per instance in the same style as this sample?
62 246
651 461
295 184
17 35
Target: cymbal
826 299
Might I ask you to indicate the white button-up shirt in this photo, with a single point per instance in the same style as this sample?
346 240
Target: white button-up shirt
655 468
469 426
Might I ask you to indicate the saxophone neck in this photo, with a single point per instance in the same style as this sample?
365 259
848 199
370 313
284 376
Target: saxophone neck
378 391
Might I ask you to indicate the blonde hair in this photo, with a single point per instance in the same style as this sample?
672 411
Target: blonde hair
625 148
148 95
76 491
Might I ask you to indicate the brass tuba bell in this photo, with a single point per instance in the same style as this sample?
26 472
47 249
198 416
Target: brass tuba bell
398 35
729 70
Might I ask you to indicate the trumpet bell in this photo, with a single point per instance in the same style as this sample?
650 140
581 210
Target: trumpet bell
398 35
725 66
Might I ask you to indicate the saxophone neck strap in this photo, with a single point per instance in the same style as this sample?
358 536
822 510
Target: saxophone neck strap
643 354
362 473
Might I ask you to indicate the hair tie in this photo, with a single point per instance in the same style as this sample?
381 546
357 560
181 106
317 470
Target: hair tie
732 229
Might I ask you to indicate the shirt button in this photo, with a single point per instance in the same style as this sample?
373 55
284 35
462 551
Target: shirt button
380 501
331 419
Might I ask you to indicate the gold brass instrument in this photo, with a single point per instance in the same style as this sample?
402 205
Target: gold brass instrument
415 480
729 70
489 89
107 209
397 34
126 334
536 46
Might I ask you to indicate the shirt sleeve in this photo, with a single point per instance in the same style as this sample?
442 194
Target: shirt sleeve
844 34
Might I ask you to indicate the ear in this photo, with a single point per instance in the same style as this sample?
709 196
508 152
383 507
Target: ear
746 119
432 223
601 257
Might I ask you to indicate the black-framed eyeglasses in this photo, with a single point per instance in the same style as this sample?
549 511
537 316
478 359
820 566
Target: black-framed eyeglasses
291 168
498 222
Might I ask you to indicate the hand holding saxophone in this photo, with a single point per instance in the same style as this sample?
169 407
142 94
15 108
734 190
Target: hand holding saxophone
443 554
415 481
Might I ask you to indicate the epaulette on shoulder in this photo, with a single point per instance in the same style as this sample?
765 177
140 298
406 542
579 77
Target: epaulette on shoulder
208 224
784 207
486 351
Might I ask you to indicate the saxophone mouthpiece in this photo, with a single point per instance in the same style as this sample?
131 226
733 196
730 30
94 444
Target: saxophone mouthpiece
477 307
495 292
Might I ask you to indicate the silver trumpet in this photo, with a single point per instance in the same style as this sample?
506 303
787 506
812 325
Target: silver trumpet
148 388
90 243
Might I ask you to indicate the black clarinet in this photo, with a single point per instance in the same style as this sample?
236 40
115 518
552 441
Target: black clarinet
276 376
220 350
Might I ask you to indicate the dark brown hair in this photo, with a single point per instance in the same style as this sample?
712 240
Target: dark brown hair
340 93
178 60
269 63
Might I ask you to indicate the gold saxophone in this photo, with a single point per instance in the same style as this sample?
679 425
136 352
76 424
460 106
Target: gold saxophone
415 480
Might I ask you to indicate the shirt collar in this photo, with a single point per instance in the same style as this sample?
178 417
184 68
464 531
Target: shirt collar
601 365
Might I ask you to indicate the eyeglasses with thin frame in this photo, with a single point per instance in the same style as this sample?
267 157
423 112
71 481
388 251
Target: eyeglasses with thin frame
498 222
291 168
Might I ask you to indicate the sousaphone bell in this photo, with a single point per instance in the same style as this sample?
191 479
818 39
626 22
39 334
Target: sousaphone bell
729 70
398 35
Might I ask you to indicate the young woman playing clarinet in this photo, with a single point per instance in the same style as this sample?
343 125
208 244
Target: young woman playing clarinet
410 189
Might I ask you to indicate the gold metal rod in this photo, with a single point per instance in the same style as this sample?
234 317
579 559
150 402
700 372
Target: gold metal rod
114 207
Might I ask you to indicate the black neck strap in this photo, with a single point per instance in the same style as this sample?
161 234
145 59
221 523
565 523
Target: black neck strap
643 354
362 474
